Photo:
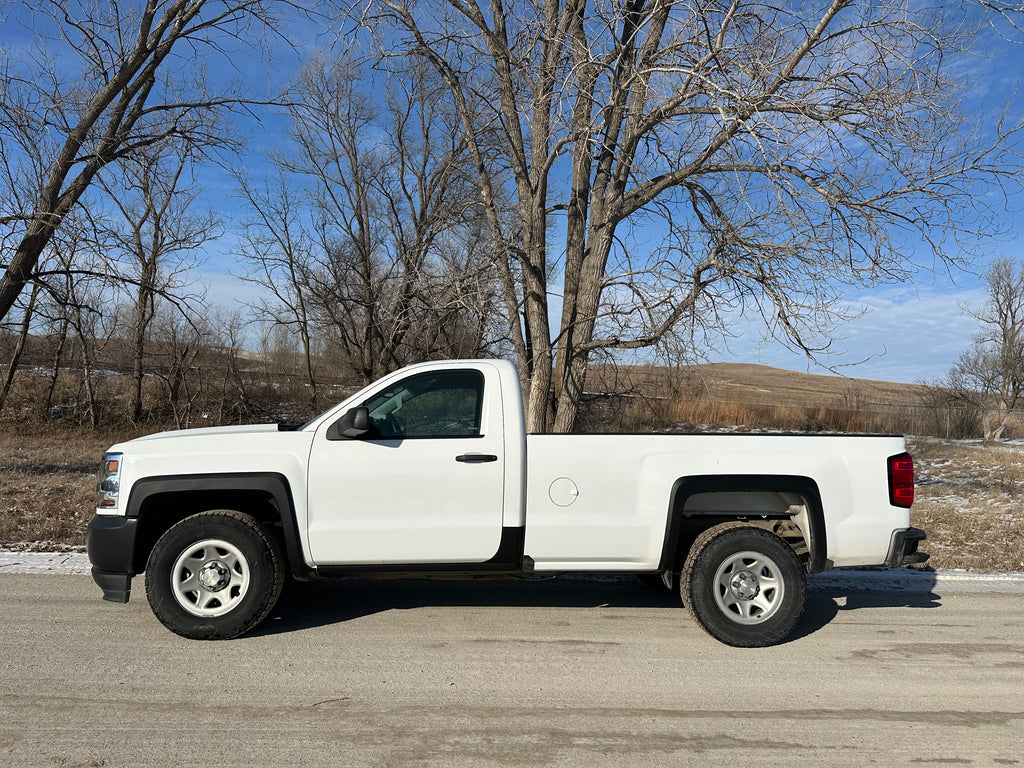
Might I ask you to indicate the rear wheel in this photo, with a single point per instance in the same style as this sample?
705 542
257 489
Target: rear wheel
214 576
744 585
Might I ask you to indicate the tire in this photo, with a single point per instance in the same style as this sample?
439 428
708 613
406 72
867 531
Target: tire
214 576
743 585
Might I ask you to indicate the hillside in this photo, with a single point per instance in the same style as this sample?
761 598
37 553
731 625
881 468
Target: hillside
752 384
744 396
763 385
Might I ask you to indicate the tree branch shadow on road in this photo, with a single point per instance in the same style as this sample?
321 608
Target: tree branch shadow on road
334 601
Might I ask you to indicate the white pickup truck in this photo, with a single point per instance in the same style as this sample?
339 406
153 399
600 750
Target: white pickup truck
429 471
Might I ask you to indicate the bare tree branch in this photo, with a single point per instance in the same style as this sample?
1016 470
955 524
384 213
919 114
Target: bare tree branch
769 155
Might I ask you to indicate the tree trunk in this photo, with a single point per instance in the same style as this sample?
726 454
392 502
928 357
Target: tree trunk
12 368
535 316
143 314
90 392
62 338
579 321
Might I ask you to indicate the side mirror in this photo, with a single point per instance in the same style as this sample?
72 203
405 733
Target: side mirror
354 424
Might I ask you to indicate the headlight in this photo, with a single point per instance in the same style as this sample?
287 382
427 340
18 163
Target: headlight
110 484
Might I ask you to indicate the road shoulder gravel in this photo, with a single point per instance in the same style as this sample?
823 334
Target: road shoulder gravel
866 579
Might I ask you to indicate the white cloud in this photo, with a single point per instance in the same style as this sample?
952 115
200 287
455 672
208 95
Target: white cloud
906 334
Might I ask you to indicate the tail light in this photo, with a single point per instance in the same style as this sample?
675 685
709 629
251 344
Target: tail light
901 480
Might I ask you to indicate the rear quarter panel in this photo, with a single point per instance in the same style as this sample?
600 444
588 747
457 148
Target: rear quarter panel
618 519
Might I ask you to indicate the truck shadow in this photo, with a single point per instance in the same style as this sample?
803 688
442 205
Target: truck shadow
825 603
333 601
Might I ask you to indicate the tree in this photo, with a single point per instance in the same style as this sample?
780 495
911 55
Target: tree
69 288
444 299
990 373
277 245
19 347
369 236
103 82
157 239
704 160
74 281
183 345
338 164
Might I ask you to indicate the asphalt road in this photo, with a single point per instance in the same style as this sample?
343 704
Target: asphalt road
586 673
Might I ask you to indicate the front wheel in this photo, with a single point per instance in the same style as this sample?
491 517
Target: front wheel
214 576
744 585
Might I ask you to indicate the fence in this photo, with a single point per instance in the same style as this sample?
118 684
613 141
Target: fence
946 421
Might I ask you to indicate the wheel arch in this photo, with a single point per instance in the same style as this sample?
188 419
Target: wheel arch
685 522
159 502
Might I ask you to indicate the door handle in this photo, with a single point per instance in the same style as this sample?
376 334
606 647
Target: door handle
476 458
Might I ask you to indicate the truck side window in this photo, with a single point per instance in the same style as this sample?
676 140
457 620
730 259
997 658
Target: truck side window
434 404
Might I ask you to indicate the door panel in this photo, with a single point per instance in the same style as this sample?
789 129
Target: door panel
424 485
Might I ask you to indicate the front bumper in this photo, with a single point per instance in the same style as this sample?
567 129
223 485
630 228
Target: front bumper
903 548
110 542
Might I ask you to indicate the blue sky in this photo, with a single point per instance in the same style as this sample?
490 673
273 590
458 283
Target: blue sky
907 334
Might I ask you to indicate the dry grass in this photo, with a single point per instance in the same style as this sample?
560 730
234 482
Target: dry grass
701 413
970 499
48 485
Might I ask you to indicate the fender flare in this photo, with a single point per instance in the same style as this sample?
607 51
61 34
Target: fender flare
685 487
273 484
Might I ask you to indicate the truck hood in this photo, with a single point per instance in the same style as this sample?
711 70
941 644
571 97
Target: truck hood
207 432
211 450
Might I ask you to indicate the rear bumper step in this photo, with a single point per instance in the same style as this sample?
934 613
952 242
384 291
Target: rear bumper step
903 548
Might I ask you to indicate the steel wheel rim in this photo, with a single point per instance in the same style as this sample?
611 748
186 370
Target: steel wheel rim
749 588
210 578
